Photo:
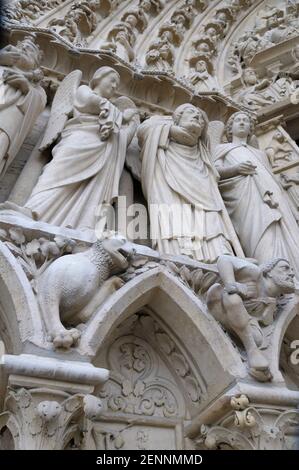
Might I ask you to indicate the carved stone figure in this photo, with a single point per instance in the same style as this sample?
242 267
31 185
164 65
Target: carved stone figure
177 175
264 92
22 97
29 10
79 22
123 38
272 26
268 18
256 93
151 5
86 12
183 17
247 300
223 18
280 151
73 286
202 79
204 47
160 55
88 160
68 27
253 198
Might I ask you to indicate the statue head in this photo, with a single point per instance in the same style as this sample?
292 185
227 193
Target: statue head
240 124
131 19
145 4
192 119
212 32
201 66
179 19
165 51
279 276
250 77
279 137
221 16
203 47
105 81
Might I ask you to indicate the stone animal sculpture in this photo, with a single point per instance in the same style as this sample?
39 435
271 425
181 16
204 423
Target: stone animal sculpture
74 285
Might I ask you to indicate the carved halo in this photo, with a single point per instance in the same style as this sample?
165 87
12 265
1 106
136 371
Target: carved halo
194 59
140 17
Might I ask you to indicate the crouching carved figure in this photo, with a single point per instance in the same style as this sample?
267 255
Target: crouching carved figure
74 285
247 300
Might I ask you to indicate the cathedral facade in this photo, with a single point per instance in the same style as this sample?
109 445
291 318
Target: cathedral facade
149 224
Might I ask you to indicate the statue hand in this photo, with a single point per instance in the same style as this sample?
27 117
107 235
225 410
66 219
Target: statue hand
237 288
246 168
128 114
9 58
17 80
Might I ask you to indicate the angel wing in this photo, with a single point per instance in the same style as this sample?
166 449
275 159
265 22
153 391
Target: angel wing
215 133
62 108
133 162
123 103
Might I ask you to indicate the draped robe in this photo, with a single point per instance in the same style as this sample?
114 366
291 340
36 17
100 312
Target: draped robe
18 113
181 179
84 172
264 232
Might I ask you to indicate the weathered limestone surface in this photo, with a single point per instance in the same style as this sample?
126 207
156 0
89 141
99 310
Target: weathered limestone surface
149 189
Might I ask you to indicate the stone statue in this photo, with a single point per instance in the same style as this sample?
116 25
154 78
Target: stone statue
247 300
253 197
179 180
22 97
68 28
202 79
73 286
280 151
160 55
122 36
257 92
88 159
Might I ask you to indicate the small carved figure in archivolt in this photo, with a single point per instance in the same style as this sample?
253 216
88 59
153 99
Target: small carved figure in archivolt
280 151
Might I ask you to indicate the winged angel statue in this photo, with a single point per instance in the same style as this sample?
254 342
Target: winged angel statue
93 134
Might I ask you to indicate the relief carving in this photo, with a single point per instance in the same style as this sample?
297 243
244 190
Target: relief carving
22 97
282 150
272 26
262 428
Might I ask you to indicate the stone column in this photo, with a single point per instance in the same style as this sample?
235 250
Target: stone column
48 399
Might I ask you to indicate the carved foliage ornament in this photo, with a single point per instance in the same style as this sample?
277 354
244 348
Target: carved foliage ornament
138 384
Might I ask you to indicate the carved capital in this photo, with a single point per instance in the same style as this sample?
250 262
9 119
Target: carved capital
41 419
250 427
